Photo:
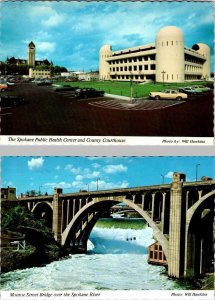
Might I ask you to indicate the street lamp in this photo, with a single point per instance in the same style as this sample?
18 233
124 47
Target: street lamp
163 72
131 88
88 187
39 189
162 179
97 183
197 165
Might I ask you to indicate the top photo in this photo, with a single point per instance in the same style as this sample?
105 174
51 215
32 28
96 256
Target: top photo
107 69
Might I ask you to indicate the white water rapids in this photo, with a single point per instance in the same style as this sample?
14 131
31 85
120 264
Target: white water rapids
116 260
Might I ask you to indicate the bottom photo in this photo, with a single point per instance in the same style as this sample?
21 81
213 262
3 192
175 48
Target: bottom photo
107 223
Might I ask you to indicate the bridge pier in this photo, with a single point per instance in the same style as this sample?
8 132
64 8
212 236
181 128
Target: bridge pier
176 230
57 215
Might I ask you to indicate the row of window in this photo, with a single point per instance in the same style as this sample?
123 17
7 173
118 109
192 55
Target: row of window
193 68
130 77
132 68
170 43
133 59
192 77
194 60
41 72
157 255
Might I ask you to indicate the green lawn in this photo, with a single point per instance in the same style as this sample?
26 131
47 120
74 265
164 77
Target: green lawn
123 88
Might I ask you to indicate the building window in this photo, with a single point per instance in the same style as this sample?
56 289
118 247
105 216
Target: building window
121 68
167 43
172 43
135 59
140 68
146 67
130 68
135 68
126 68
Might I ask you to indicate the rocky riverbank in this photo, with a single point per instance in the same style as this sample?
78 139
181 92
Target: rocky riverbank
40 248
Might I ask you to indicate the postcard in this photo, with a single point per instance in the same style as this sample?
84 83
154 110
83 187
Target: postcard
107 227
107 73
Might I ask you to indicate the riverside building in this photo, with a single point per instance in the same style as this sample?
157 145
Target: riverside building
166 60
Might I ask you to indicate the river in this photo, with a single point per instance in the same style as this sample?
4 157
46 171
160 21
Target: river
116 260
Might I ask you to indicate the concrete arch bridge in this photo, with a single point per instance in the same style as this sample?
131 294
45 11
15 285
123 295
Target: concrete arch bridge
180 214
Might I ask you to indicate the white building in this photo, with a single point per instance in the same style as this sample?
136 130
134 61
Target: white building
165 60
86 76
37 73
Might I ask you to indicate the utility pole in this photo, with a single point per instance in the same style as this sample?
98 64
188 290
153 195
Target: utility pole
197 165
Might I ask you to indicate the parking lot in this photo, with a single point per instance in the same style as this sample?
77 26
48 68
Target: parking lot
46 112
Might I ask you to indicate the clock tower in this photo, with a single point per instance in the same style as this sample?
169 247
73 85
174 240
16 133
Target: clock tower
31 54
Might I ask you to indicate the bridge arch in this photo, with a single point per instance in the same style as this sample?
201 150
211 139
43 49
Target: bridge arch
198 236
44 210
94 209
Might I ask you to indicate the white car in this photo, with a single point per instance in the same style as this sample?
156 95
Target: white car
168 94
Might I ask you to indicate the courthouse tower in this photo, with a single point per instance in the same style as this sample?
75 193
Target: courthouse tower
31 54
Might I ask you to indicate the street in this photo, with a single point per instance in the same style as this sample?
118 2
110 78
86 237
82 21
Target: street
46 112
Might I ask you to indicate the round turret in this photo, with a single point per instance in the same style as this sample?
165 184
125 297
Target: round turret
170 55
104 69
204 50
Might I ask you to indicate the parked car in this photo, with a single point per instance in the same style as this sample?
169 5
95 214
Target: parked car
88 93
168 94
189 91
3 87
202 88
65 88
44 83
10 100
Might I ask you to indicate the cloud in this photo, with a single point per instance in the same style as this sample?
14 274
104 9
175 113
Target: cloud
35 163
79 177
111 169
106 185
54 20
57 168
169 175
61 184
45 46
72 169
95 165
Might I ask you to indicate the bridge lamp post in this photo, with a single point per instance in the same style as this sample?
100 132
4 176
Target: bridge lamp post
97 183
39 189
162 178
197 165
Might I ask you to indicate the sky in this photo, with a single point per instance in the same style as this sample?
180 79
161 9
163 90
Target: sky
70 34
82 173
